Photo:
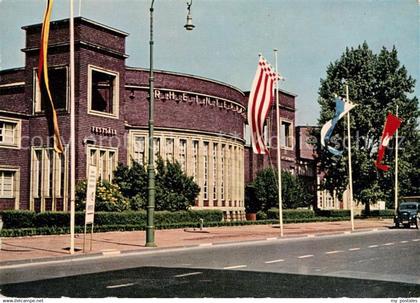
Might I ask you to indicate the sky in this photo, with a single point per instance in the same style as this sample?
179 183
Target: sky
229 35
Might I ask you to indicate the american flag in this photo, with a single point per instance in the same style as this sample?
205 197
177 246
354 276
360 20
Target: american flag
259 103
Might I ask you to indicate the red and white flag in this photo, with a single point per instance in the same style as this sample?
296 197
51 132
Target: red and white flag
392 123
260 101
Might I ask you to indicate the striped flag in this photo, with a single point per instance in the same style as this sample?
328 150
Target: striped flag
259 103
43 74
341 108
392 123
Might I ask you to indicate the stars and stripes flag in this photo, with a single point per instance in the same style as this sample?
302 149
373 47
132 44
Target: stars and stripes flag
341 109
392 123
43 75
260 100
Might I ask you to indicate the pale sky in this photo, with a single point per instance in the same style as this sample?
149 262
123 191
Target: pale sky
229 34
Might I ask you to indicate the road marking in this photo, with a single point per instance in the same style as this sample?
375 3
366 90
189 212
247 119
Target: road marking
233 267
274 261
373 246
206 244
333 252
305 256
189 274
355 248
120 285
403 241
388 244
415 240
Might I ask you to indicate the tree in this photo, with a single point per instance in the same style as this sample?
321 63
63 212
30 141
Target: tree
264 190
377 84
174 189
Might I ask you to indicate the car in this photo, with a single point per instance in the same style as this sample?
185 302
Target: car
408 214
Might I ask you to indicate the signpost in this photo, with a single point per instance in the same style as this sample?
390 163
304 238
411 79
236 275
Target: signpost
90 203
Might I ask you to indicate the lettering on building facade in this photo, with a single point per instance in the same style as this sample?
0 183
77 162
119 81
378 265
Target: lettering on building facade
104 131
203 100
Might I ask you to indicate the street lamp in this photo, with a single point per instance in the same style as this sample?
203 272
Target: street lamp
150 228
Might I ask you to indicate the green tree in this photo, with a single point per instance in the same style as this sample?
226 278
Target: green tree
264 189
377 84
174 189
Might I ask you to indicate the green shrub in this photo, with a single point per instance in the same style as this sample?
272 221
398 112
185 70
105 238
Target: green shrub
387 213
17 218
273 213
262 215
333 213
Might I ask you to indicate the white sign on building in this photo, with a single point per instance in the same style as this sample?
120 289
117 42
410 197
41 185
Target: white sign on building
90 195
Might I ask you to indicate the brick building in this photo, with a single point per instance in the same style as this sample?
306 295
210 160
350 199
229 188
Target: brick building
198 122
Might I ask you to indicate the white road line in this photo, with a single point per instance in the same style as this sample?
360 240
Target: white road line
373 246
233 267
354 248
120 285
403 241
333 252
206 244
189 274
274 261
388 244
415 240
305 256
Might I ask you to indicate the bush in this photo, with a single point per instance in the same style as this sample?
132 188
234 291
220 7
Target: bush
386 213
273 213
336 213
19 219
108 197
262 215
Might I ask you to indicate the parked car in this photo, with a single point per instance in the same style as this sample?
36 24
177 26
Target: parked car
408 214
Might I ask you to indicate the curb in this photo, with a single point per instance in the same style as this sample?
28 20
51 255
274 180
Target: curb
116 253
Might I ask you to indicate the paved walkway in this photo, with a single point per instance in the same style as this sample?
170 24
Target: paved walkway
37 248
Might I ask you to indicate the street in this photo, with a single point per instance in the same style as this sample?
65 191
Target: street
372 264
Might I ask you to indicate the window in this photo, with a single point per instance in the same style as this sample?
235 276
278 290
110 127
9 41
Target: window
7 184
169 149
215 171
156 147
139 149
206 171
105 160
286 134
183 154
103 92
9 133
57 77
195 160
247 135
222 172
48 173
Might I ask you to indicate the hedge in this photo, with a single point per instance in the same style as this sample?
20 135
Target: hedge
26 219
273 213
20 232
388 213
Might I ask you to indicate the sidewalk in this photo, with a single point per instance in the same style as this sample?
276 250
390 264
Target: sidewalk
43 248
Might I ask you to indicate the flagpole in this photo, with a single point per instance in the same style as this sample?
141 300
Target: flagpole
396 168
278 149
350 170
80 8
72 132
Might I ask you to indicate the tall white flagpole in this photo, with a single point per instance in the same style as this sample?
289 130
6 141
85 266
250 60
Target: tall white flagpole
278 149
80 8
72 132
396 169
350 170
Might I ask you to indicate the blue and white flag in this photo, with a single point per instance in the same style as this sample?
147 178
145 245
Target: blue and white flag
341 108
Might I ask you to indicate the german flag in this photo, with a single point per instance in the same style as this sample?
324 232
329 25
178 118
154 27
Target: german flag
43 75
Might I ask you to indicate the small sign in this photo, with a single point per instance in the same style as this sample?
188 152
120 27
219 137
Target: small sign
90 195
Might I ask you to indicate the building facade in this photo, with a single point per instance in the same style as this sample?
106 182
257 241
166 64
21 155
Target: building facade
200 123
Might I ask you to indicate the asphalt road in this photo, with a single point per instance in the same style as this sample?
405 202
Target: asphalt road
368 265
